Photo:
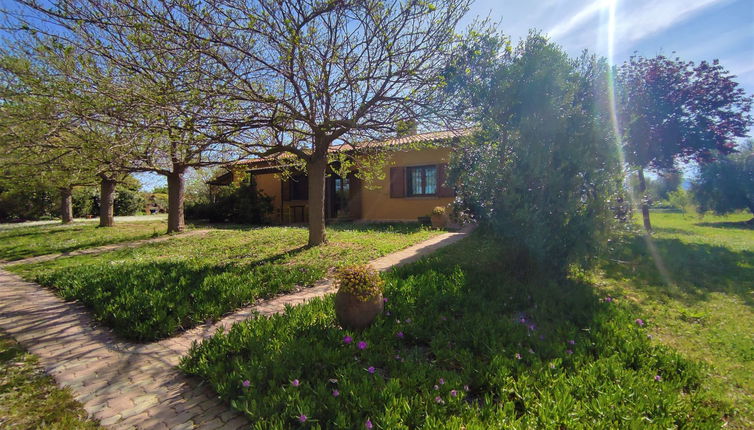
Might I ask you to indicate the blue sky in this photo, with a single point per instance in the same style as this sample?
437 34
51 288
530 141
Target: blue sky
695 29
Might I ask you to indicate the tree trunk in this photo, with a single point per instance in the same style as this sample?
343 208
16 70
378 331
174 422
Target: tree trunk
316 170
176 190
66 205
644 201
106 202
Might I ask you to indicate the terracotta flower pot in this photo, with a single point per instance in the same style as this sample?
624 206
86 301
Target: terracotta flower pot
439 221
354 314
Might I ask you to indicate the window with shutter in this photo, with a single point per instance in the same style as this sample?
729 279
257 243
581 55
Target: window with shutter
444 189
397 182
421 181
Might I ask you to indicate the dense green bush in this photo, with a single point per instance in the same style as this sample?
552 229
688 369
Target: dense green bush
242 204
462 347
727 184
543 168
27 203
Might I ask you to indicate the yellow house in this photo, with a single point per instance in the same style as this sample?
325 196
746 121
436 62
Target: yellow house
414 182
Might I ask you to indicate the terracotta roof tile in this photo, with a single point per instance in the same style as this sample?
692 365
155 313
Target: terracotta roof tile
397 141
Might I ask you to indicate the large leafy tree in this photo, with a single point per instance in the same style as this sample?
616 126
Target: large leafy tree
325 72
37 147
142 82
727 184
46 126
541 170
671 111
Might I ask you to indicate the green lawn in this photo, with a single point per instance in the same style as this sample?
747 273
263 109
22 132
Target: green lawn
465 344
29 399
698 295
159 289
23 242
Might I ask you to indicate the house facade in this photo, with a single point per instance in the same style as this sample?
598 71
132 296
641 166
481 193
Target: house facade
413 183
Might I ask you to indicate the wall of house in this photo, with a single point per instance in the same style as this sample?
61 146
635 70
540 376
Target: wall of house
269 184
377 205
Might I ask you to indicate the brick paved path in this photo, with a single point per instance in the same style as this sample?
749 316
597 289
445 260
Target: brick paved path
101 249
128 385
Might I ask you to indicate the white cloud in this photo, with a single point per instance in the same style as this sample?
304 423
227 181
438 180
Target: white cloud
640 22
635 20
577 20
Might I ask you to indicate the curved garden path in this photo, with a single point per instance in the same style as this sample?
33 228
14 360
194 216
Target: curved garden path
127 385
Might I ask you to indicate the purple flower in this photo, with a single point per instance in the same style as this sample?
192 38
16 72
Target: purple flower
362 345
302 418
335 393
532 327
453 393
518 356
541 337
568 351
399 335
370 369
436 387
608 299
246 383
658 378
384 300
347 339
640 322
572 342
439 400
368 424
466 388
295 383
522 320
441 381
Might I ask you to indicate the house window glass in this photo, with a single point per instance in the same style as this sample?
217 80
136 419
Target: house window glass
422 180
299 187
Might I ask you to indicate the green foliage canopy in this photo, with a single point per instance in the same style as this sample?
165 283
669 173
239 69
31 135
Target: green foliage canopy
727 185
542 169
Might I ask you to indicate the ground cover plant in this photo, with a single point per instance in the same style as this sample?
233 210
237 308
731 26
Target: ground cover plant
29 398
464 342
23 242
156 290
701 300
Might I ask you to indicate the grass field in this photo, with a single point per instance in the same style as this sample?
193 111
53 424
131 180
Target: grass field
694 282
29 399
23 242
464 344
159 289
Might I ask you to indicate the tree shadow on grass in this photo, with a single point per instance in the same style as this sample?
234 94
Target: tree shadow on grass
740 225
684 271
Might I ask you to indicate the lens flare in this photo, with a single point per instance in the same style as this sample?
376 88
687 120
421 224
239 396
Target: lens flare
611 6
